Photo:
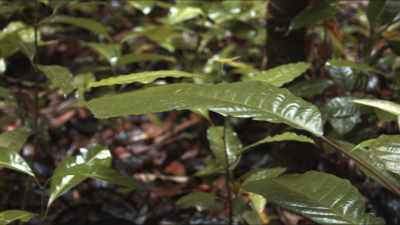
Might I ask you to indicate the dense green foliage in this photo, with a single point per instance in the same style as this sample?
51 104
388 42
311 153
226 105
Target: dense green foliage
213 58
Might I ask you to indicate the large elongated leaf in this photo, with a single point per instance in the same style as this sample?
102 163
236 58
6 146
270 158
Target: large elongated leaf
142 77
382 11
85 23
384 105
368 161
321 197
287 136
313 14
343 115
93 163
281 75
383 151
242 99
12 160
14 140
60 77
10 216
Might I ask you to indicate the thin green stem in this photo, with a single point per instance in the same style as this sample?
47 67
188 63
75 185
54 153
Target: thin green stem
228 175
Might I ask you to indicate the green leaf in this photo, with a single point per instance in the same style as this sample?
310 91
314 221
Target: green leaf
142 77
370 163
384 105
314 14
287 136
251 99
182 14
310 88
60 77
142 57
10 216
384 150
216 138
92 163
343 115
321 197
382 11
353 65
262 174
283 74
14 140
110 52
201 201
10 159
84 23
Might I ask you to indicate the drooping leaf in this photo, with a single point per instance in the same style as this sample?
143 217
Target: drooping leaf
314 14
142 57
92 163
287 136
60 77
310 88
283 74
14 140
201 201
85 23
343 115
141 77
10 216
251 99
384 105
182 14
10 159
321 197
110 52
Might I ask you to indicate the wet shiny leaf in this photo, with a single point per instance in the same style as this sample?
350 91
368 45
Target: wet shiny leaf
10 159
321 197
251 99
384 105
343 114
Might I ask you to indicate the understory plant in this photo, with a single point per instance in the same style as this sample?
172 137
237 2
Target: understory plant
213 58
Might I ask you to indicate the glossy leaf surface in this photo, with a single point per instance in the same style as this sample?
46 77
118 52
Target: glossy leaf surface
92 163
12 160
281 75
321 197
384 105
343 114
60 77
142 77
242 99
10 216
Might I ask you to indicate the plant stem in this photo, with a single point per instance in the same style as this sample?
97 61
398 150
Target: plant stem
228 176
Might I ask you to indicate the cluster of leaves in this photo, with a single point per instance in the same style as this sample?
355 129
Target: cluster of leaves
216 81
